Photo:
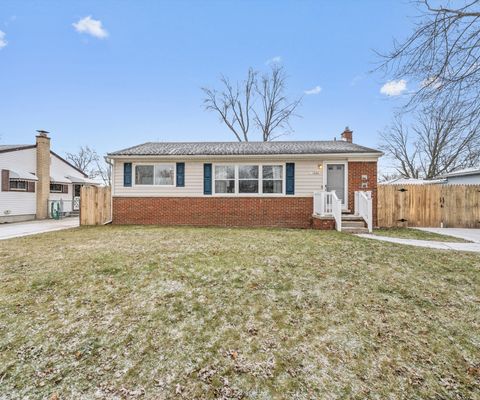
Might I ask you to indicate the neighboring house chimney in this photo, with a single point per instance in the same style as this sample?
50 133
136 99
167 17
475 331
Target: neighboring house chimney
347 135
43 173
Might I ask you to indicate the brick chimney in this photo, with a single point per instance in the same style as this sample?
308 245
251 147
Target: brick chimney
347 135
43 173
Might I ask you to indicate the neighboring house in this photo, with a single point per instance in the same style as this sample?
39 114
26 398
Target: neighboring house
32 176
241 183
412 181
468 176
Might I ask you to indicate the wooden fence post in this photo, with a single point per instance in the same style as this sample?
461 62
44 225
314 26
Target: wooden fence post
450 206
95 206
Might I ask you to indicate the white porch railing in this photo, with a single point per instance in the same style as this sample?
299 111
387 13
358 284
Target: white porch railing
363 208
328 204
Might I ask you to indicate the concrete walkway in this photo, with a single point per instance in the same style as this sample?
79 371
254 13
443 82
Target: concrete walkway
467 234
18 229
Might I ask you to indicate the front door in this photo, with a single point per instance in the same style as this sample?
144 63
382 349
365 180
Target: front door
336 180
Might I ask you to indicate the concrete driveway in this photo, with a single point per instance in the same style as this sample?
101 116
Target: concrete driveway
473 235
18 229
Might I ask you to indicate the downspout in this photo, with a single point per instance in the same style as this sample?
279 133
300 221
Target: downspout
107 160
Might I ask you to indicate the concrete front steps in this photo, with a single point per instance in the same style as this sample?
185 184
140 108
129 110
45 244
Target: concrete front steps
353 224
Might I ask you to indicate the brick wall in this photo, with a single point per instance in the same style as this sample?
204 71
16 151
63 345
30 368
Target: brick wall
323 223
287 212
355 171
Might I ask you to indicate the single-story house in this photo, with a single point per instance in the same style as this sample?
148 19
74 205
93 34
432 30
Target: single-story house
467 176
298 184
32 177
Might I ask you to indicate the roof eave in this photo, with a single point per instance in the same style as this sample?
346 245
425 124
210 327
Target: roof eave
30 146
454 175
374 154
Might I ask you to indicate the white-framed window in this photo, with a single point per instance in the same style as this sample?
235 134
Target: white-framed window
249 179
225 178
272 179
155 174
16 184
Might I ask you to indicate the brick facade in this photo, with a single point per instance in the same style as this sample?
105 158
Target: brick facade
286 212
323 223
356 172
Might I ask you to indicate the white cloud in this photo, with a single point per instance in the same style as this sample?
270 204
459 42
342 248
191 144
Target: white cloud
91 26
3 41
356 79
394 88
316 90
274 60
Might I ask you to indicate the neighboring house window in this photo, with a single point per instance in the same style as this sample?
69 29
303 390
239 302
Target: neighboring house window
56 188
16 184
225 179
245 179
272 178
248 179
156 174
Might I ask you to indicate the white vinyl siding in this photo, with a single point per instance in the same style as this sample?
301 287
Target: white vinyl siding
66 197
60 168
18 202
464 180
193 181
308 177
25 203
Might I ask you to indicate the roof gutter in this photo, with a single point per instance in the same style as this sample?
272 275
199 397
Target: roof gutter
107 160
375 155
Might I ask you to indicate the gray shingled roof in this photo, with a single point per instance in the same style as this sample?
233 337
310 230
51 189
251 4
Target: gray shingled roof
11 147
242 148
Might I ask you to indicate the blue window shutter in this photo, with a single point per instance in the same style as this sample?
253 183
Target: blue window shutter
290 178
207 178
180 174
127 174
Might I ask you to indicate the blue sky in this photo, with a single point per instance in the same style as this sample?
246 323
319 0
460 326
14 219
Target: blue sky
133 71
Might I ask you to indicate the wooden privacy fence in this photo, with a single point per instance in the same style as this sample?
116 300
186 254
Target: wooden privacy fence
450 206
95 205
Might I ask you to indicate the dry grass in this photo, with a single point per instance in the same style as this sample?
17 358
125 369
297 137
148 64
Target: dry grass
411 233
159 313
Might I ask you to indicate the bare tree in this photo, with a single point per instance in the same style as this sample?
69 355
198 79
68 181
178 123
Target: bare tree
104 171
442 56
88 161
85 160
275 108
237 104
233 104
388 176
439 140
397 144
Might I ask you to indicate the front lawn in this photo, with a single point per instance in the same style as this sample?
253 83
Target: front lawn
158 313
